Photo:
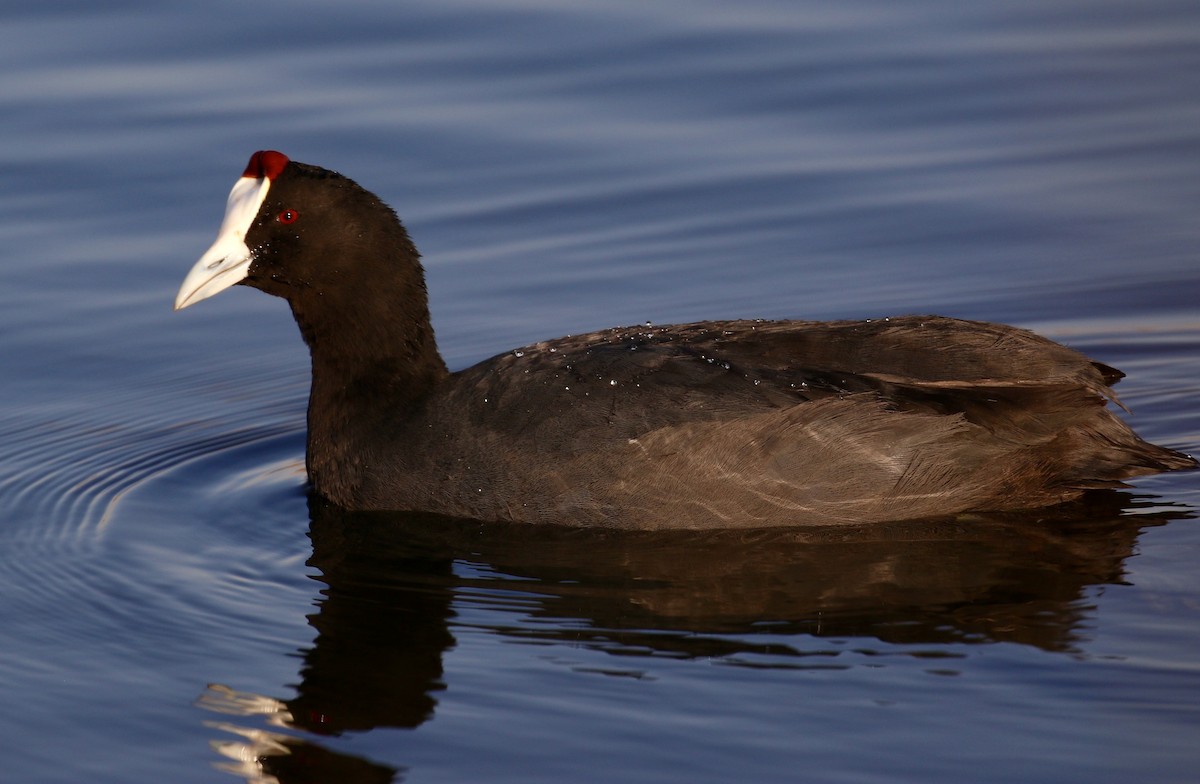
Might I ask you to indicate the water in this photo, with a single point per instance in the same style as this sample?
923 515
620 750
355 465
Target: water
172 611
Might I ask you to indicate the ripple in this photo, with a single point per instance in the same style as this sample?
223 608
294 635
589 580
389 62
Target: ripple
99 548
71 475
67 468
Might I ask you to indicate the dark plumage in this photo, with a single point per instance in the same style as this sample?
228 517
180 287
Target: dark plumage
715 424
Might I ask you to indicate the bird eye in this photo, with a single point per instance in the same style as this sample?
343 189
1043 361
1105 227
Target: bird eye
288 216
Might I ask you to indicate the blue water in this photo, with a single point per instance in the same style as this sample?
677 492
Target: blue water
170 610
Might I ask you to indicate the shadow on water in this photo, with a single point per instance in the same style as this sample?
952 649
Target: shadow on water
398 586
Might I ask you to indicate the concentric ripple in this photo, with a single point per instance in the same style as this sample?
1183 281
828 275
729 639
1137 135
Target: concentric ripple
108 511
63 477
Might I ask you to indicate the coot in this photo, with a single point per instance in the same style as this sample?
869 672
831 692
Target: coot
713 424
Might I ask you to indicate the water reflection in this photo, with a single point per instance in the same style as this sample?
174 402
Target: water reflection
398 586
265 757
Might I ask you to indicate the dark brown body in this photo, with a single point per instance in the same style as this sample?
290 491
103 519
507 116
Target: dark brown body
738 424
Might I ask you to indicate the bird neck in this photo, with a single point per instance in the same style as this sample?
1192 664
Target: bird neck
369 371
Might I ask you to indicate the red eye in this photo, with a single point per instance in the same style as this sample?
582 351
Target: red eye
288 216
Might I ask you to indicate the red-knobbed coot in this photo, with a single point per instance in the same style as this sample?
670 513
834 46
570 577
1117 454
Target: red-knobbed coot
715 424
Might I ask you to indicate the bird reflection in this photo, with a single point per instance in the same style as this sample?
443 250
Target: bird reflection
386 616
